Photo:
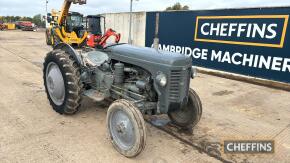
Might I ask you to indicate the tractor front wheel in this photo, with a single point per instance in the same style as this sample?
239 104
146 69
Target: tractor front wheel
126 128
190 115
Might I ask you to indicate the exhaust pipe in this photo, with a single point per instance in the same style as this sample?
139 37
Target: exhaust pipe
156 39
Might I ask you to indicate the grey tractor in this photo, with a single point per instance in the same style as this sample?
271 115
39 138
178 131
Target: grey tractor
137 80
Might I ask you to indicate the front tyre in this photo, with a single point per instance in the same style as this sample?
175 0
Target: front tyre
62 82
126 128
190 115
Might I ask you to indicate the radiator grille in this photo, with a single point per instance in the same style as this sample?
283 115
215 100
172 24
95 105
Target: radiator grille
175 80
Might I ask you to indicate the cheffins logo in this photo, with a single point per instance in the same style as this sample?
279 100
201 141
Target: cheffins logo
249 146
252 30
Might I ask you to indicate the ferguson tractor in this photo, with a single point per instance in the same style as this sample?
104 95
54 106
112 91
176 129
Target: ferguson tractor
138 80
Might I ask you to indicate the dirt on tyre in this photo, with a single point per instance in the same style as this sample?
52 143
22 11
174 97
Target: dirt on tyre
126 128
61 75
190 115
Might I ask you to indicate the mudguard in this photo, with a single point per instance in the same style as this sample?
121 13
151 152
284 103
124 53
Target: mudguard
71 51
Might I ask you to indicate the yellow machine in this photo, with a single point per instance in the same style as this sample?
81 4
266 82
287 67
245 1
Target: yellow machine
66 26
10 26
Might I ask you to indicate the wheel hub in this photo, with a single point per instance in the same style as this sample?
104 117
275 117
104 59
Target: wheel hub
55 83
122 129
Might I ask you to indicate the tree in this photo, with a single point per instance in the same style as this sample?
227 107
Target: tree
24 18
185 7
37 20
177 6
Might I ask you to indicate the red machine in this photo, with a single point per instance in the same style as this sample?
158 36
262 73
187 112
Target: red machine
21 24
95 38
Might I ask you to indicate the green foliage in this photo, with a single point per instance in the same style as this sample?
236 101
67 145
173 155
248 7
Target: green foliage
37 20
177 6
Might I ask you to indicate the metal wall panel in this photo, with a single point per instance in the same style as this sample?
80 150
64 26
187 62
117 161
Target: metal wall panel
253 42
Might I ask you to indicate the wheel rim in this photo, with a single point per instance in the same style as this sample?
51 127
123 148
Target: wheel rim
122 129
55 83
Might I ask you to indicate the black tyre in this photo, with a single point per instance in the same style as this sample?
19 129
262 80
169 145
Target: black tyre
190 115
63 86
126 128
48 38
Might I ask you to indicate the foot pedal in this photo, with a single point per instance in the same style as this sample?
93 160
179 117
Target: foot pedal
94 95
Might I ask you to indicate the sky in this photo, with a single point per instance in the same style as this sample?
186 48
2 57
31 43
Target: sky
33 7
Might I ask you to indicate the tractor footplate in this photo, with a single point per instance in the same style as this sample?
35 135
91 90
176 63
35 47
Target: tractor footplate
94 95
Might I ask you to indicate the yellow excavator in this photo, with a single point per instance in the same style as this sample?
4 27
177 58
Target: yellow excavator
66 26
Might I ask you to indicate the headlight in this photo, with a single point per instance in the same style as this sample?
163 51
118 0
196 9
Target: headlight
161 79
193 72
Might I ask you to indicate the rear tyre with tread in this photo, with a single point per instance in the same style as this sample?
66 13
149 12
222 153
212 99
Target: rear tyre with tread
61 75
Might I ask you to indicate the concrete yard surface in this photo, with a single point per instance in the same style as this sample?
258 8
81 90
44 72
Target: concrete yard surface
30 131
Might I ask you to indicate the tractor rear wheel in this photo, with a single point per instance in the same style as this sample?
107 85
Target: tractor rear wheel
126 128
62 82
190 115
